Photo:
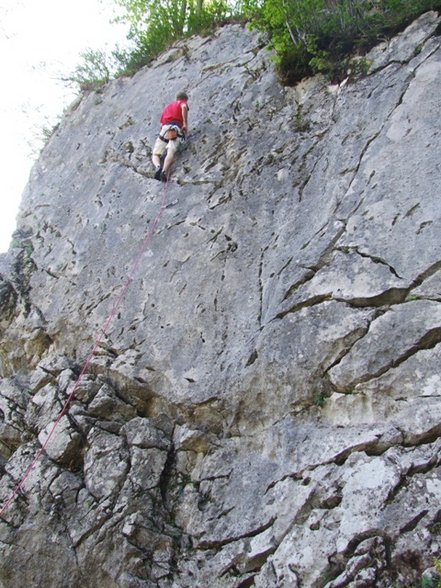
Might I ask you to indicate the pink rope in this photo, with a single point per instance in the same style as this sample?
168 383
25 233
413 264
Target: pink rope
101 333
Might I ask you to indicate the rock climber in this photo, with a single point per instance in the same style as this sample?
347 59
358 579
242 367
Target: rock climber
174 124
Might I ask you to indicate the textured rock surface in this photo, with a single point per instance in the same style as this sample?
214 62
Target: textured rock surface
264 409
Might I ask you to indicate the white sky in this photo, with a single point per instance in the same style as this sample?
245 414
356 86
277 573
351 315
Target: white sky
40 42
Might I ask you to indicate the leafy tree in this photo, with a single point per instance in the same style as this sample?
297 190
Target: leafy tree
320 35
96 69
156 24
308 36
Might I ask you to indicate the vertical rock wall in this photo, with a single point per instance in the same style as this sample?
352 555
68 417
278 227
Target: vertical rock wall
264 409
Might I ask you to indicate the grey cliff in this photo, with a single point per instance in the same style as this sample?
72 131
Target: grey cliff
264 407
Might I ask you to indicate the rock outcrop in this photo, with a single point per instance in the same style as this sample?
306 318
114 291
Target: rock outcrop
264 407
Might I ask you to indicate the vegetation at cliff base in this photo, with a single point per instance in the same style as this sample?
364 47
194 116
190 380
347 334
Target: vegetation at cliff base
307 36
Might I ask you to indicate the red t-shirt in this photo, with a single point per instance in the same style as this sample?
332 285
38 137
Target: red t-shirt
172 113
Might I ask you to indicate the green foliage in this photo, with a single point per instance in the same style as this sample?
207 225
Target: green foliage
360 67
95 70
43 137
311 36
28 250
431 581
301 125
319 399
156 24
307 36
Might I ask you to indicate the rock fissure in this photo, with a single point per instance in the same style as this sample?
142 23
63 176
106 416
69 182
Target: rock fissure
305 304
428 341
206 545
379 260
385 299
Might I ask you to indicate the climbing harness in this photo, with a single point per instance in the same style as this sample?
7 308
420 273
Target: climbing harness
102 332
170 133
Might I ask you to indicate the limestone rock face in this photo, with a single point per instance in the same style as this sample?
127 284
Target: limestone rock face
261 400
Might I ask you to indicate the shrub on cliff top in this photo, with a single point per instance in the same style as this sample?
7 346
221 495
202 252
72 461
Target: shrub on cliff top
311 36
308 36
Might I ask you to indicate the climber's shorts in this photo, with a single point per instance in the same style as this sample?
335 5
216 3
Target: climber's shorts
161 145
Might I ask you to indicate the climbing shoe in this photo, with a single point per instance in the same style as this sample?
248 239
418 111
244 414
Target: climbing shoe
163 177
158 174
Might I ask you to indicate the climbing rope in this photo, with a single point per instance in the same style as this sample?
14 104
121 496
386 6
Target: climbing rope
101 333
